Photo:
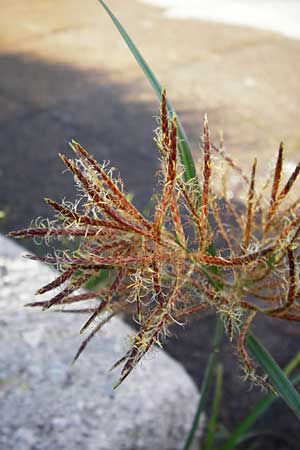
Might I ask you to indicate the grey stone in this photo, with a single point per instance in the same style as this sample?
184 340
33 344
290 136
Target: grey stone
9 249
47 404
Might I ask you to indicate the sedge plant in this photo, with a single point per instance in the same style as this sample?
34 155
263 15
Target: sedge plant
165 272
166 268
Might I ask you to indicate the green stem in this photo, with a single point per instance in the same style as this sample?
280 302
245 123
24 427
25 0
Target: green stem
212 423
206 383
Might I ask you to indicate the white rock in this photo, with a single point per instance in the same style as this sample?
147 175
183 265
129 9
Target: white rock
46 404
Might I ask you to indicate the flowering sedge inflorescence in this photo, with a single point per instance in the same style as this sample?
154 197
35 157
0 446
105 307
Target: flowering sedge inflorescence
168 268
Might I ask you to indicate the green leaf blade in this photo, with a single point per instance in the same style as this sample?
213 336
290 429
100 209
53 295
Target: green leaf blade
279 380
242 430
183 144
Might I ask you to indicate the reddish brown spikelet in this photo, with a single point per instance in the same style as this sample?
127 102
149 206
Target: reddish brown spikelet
281 196
32 232
286 316
92 334
289 183
288 230
206 174
190 204
83 219
156 283
234 261
143 343
249 214
96 313
292 290
177 221
65 212
164 120
84 296
114 287
191 310
169 184
57 282
243 352
122 201
99 200
171 173
64 293
277 174
73 262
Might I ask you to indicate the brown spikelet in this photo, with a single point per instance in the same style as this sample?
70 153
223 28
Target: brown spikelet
281 196
96 197
82 219
31 232
114 287
277 174
122 201
287 316
82 297
57 282
64 293
291 230
171 173
292 290
169 185
93 334
235 261
156 283
289 183
190 310
249 213
177 220
164 120
206 176
191 206
250 369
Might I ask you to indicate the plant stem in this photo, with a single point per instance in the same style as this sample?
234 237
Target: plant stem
206 383
212 423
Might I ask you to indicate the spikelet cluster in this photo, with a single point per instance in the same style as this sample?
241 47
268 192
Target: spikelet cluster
167 268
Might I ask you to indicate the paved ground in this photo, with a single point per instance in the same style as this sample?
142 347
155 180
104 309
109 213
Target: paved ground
65 73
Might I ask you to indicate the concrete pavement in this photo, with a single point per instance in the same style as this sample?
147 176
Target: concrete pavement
65 73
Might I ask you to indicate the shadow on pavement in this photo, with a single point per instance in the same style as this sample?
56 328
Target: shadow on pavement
46 105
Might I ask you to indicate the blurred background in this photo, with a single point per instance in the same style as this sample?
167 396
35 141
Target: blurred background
66 73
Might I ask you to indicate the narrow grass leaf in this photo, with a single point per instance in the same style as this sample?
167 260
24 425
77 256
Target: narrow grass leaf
279 380
241 431
183 144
